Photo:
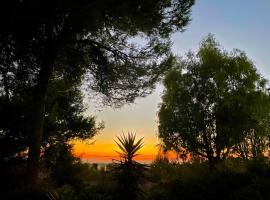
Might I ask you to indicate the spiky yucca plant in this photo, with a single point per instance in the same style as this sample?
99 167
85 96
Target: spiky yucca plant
129 173
128 146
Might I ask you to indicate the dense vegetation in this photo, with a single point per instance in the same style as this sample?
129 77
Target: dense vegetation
215 105
233 179
214 115
68 43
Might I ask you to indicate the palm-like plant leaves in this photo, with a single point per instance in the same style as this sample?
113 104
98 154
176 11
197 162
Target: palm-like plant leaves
128 146
129 172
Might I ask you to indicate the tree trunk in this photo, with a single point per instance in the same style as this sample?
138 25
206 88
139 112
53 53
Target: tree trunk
211 163
6 85
38 113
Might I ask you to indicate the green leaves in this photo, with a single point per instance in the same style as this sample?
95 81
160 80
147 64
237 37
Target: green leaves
212 99
95 40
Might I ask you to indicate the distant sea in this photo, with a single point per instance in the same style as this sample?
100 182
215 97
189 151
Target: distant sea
106 162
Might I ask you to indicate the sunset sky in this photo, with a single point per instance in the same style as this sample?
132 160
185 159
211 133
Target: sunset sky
242 24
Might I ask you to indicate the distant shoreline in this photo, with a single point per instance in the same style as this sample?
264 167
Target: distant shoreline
100 162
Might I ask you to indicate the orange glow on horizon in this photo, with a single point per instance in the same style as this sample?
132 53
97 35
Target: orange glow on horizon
102 152
106 152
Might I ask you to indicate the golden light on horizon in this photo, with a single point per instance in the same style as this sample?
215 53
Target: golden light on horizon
105 151
139 118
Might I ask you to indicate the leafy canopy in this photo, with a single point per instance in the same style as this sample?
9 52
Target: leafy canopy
95 41
48 48
97 38
212 99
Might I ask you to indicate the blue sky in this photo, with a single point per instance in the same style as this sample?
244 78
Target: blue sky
242 24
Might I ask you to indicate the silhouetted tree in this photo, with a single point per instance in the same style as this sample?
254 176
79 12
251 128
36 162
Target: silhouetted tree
44 37
65 120
212 99
65 117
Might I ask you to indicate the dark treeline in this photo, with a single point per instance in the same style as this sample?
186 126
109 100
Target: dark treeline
215 105
214 113
49 49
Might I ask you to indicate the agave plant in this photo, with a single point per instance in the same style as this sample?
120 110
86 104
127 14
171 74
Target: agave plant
129 173
128 146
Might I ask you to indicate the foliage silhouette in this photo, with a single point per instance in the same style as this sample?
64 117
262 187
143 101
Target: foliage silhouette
128 147
213 100
194 181
41 39
129 173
